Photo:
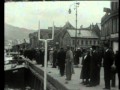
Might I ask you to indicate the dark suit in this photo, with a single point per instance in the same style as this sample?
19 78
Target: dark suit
42 57
107 63
100 56
77 55
61 61
94 68
54 58
85 72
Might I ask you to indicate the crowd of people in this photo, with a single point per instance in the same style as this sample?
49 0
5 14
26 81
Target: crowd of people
92 60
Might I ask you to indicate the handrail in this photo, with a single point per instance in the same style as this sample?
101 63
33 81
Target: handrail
53 84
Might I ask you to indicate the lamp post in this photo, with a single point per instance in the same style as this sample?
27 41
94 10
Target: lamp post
75 8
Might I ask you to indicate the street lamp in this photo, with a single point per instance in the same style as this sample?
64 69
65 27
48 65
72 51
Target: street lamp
75 8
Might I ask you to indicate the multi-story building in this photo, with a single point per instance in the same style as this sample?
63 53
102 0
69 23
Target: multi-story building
65 35
110 26
86 37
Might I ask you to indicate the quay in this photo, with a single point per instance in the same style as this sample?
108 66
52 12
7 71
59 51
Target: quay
33 76
59 83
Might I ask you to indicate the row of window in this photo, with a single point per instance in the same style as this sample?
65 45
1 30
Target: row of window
86 42
111 27
114 5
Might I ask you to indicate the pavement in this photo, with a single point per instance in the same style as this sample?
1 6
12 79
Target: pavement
74 84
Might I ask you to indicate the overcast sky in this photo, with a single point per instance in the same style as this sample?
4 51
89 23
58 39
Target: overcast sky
28 14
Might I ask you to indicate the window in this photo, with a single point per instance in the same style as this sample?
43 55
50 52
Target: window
73 42
78 42
86 42
81 42
94 42
114 25
117 24
90 42
98 42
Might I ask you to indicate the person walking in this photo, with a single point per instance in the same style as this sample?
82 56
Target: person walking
107 63
69 61
61 61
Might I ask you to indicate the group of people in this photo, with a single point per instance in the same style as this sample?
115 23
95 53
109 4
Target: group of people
92 61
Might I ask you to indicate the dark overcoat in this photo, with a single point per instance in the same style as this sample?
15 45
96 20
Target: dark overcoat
85 72
94 67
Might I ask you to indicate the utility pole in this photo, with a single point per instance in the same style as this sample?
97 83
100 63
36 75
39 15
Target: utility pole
76 6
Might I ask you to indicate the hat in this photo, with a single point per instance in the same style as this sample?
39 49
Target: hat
106 45
93 47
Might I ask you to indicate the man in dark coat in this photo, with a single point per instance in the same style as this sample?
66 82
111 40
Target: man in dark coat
107 63
117 64
54 58
42 53
100 56
37 57
77 56
85 72
94 67
61 61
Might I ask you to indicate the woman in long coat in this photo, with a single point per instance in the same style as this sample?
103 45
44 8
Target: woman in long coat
69 63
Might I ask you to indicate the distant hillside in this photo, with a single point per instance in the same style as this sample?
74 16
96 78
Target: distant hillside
12 32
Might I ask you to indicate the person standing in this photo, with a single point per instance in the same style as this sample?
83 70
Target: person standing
61 61
77 56
100 57
107 63
94 67
85 72
117 64
54 58
69 61
42 53
51 56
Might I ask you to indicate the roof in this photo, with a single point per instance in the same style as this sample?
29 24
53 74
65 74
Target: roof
99 25
83 33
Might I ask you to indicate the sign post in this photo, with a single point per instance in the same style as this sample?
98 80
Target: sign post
45 56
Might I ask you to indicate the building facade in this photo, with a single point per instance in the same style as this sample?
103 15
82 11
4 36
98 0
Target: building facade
110 26
85 38
45 34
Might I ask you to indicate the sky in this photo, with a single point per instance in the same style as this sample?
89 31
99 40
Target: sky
28 14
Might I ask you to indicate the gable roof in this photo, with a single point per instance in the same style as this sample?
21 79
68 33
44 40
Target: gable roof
99 25
68 25
82 34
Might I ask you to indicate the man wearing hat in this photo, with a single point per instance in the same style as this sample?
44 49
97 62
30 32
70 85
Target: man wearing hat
94 67
77 56
61 60
107 64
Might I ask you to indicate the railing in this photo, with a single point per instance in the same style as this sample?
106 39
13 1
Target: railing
52 84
